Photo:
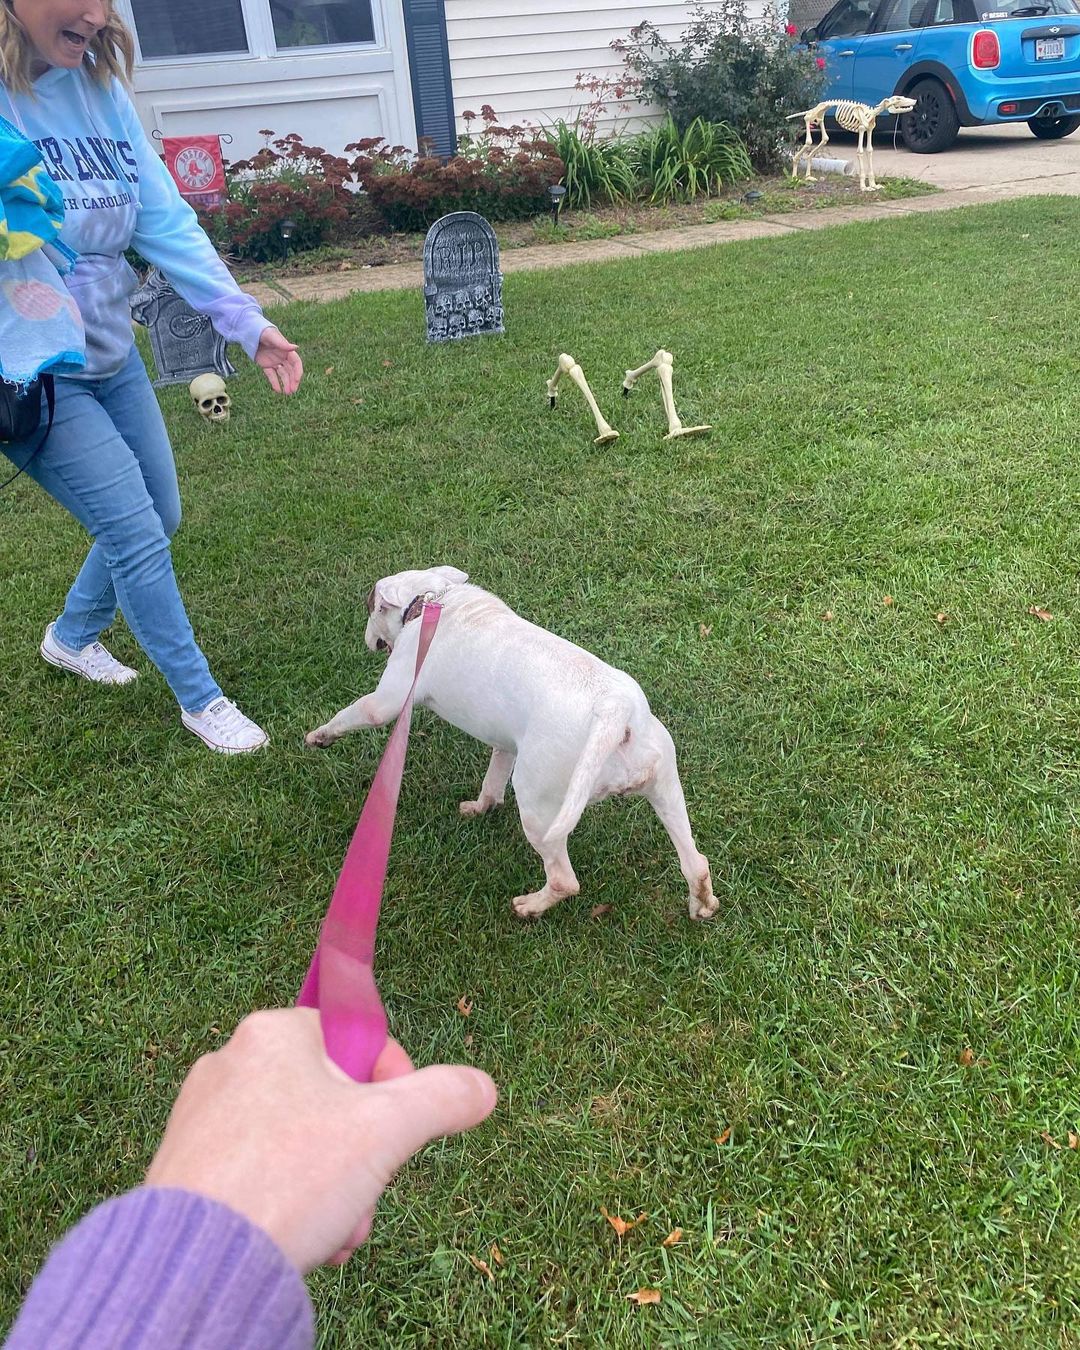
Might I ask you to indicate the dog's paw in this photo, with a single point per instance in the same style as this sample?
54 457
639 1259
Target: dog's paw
531 906
702 903
704 907
320 738
480 807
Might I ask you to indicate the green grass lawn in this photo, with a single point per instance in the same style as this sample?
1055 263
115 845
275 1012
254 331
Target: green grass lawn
889 801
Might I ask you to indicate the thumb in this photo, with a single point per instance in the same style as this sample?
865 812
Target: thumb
429 1104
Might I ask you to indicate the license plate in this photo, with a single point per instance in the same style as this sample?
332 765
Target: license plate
1049 49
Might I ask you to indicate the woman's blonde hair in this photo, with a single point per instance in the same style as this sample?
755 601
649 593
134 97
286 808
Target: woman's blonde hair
111 54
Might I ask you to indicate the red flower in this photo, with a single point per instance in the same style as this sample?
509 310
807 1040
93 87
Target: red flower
820 63
791 30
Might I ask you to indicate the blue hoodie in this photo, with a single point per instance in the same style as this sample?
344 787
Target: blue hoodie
118 193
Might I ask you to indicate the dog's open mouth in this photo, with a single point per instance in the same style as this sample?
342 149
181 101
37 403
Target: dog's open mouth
382 646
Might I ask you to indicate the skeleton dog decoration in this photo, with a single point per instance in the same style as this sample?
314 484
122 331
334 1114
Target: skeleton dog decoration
857 117
662 363
568 366
211 400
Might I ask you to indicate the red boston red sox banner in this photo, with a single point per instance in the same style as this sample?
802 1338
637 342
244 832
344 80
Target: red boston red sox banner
196 167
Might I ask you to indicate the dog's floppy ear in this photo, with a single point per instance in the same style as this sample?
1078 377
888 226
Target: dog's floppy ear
400 590
370 601
451 575
393 593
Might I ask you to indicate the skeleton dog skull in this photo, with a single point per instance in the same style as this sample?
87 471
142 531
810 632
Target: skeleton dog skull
209 395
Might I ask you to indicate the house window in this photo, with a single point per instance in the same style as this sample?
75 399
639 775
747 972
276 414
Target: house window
198 28
321 23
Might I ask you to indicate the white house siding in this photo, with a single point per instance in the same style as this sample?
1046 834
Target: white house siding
523 56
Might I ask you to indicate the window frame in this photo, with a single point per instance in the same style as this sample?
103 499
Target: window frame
324 48
262 43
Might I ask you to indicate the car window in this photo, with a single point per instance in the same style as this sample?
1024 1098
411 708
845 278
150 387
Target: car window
902 14
851 18
940 12
1024 9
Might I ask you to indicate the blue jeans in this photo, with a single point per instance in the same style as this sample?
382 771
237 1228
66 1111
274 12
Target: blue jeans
109 462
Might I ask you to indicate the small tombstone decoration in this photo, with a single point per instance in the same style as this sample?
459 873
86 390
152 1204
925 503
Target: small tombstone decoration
185 343
462 281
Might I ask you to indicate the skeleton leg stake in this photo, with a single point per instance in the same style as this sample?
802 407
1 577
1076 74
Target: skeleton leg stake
568 366
662 363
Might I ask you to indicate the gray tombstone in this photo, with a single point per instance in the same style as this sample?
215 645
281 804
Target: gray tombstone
462 281
185 343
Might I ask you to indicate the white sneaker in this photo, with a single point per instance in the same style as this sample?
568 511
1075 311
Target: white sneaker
94 662
225 728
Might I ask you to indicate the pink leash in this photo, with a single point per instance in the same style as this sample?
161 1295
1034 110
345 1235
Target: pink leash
341 979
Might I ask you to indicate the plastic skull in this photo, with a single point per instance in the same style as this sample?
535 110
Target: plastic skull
210 398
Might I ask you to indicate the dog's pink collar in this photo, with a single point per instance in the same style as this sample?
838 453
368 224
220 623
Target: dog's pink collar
341 979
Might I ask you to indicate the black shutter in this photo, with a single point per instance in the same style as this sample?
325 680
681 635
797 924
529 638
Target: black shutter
429 63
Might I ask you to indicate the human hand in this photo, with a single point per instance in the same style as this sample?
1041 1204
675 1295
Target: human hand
270 1127
280 361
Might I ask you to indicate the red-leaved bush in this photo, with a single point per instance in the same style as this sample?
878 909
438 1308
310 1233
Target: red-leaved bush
502 172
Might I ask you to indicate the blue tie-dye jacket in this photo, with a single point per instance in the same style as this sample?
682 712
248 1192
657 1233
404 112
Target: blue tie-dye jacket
40 325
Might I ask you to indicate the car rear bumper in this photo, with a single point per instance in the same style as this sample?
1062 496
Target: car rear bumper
1023 98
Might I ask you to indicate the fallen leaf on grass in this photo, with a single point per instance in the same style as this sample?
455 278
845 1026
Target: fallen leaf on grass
468 1041
497 1255
598 910
942 617
672 1238
1074 1139
967 1057
704 629
1049 1140
722 1139
329 370
358 400
887 600
482 1266
644 1296
464 1006
387 363
1043 614
622 1226
827 616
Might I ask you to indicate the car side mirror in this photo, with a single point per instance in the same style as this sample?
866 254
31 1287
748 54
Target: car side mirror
809 36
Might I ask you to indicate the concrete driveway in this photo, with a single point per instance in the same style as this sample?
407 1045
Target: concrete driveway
1003 156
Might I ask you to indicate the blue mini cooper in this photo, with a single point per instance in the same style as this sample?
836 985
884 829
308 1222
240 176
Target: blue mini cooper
966 63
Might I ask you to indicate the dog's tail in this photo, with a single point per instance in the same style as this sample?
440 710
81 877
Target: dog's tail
610 727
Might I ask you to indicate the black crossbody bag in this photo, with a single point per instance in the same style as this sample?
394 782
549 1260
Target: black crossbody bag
20 415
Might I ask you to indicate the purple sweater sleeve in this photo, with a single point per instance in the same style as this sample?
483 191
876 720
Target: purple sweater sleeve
162 1269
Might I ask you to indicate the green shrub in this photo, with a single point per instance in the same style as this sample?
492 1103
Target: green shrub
596 171
732 69
677 166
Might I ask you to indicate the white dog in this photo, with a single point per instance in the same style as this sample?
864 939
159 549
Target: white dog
563 726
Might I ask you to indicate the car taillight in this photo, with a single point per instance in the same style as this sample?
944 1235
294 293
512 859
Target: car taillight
985 50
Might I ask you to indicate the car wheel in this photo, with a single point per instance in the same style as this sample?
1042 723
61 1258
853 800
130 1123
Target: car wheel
933 124
1053 128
